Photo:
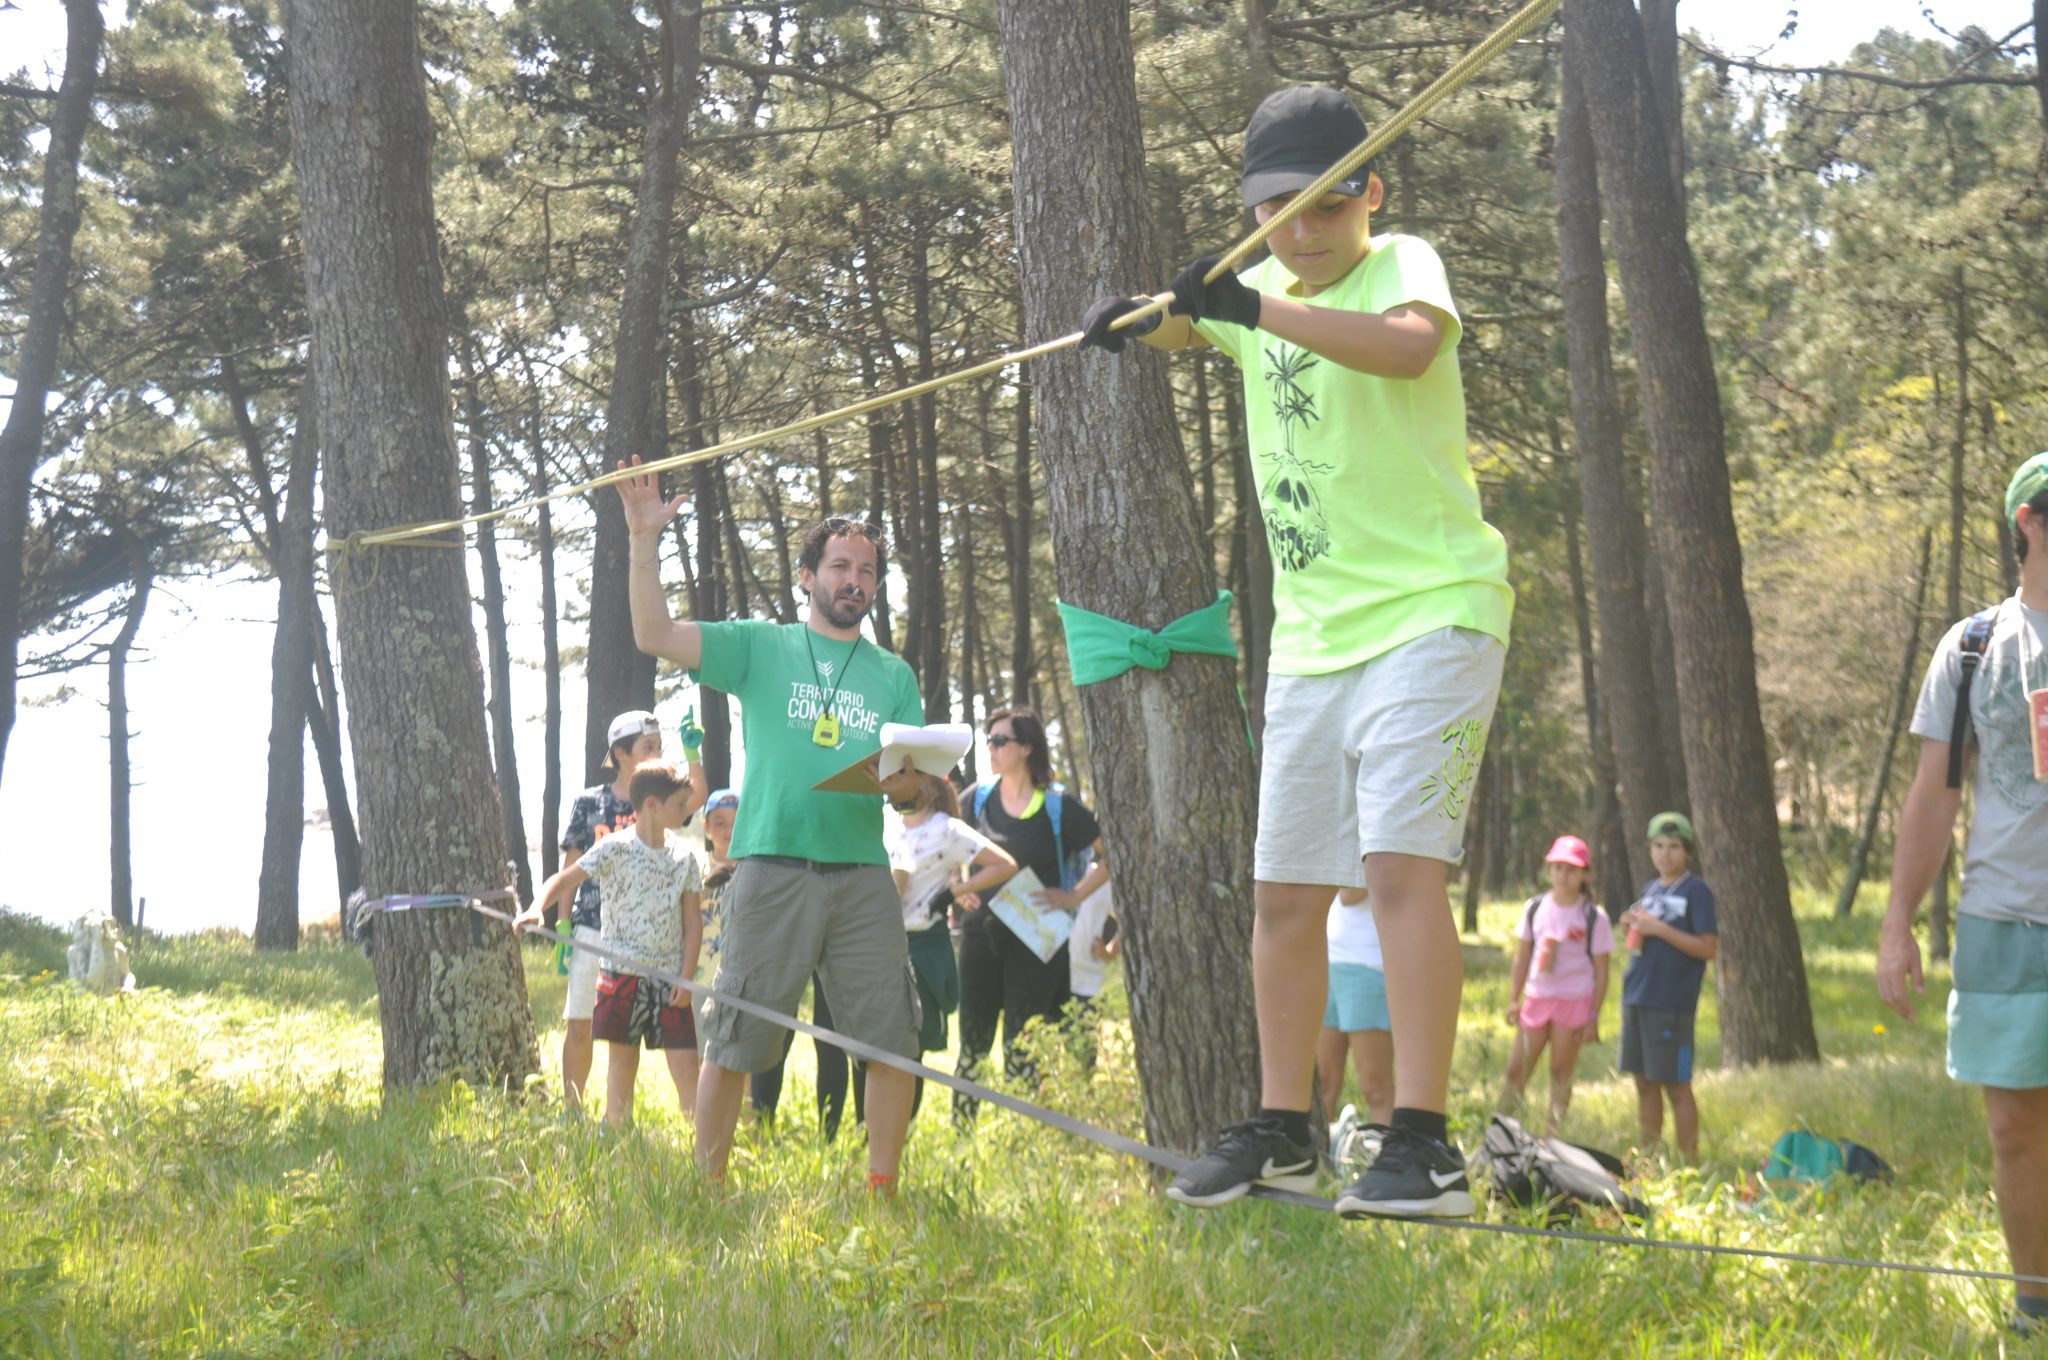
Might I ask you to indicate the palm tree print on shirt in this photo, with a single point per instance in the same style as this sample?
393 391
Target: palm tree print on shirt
1296 525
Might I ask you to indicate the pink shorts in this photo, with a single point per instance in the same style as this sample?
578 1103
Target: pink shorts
1565 1012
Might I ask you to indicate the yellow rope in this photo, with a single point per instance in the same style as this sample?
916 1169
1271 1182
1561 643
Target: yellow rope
1519 24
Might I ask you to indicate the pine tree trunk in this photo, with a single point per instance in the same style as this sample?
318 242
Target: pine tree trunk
121 781
1173 777
504 749
620 676
323 720
35 368
1611 867
1902 699
1761 973
291 690
1023 660
451 993
707 598
1255 596
550 644
930 535
1613 519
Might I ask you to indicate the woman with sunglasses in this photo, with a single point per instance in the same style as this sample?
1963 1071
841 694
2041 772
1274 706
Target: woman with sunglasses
1001 978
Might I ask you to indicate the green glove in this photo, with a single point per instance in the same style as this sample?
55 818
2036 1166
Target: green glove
562 950
692 737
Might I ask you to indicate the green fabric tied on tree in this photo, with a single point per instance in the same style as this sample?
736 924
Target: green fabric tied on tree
1101 648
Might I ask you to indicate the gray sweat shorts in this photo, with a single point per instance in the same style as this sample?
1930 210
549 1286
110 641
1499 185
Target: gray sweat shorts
784 921
1377 758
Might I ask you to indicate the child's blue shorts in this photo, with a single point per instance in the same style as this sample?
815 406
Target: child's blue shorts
1358 999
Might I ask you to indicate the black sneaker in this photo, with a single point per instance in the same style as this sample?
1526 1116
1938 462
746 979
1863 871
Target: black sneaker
1413 1177
1256 1152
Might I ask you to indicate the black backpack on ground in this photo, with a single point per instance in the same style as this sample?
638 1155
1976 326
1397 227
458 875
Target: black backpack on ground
1561 1177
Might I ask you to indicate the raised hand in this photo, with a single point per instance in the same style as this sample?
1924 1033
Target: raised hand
646 511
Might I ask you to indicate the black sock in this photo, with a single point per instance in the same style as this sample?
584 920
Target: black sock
1428 1123
2034 1305
1293 1123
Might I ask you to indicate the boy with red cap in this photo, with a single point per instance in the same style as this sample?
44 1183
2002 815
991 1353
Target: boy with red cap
1559 980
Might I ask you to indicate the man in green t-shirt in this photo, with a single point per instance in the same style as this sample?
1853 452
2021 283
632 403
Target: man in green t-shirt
1390 625
813 889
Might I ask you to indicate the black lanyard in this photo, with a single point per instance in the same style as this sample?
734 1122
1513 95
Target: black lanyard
838 679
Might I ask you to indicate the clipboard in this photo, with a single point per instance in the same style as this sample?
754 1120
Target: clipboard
931 750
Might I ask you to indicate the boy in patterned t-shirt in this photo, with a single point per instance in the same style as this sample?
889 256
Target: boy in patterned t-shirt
652 920
1390 625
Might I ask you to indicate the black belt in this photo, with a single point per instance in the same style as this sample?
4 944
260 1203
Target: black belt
816 866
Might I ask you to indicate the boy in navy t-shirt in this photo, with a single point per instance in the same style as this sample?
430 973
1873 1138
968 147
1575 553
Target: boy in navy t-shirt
1673 934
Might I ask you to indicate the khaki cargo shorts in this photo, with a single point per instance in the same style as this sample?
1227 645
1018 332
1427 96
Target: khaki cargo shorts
787 918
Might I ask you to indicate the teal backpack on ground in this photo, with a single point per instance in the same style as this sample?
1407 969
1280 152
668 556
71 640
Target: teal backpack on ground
1800 1156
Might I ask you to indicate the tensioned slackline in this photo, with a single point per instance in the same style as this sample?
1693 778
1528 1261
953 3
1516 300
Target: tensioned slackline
1445 85
1168 1161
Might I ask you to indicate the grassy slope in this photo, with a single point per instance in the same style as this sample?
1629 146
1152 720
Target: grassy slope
205 1168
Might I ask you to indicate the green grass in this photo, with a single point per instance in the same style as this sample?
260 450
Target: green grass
206 1168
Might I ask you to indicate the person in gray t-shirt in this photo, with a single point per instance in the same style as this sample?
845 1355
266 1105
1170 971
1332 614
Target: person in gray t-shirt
1998 1004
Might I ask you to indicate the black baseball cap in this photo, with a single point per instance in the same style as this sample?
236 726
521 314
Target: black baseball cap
1297 134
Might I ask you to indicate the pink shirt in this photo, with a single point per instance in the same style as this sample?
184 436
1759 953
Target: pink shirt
1570 977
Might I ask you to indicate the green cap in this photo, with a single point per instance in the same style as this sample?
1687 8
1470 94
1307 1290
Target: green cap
1671 824
2030 481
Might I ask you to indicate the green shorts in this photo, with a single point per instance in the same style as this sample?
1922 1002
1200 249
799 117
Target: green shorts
783 921
1998 1005
938 983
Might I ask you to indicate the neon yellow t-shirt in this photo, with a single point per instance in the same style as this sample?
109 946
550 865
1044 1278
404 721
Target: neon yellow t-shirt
1364 483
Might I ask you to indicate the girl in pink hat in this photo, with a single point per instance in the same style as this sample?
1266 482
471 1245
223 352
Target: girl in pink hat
1560 977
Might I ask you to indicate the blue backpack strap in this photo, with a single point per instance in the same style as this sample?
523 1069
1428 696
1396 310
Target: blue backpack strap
1055 799
1975 641
981 793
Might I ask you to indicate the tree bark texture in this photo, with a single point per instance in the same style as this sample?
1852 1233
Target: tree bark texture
1761 973
504 750
620 675
1023 658
323 719
1612 870
291 690
1902 698
21 441
120 778
451 992
1613 519
550 644
1173 776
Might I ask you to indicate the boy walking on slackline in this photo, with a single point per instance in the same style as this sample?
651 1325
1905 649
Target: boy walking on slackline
1390 623
813 891
1989 678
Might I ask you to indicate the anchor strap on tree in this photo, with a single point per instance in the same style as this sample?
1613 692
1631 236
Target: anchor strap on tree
1101 648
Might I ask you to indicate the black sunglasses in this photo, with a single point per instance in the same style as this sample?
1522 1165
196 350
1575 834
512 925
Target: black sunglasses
999 739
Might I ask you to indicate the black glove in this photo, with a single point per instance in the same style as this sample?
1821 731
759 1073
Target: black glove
1227 299
941 902
1095 327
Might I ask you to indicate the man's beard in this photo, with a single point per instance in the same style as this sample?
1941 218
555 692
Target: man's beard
844 611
